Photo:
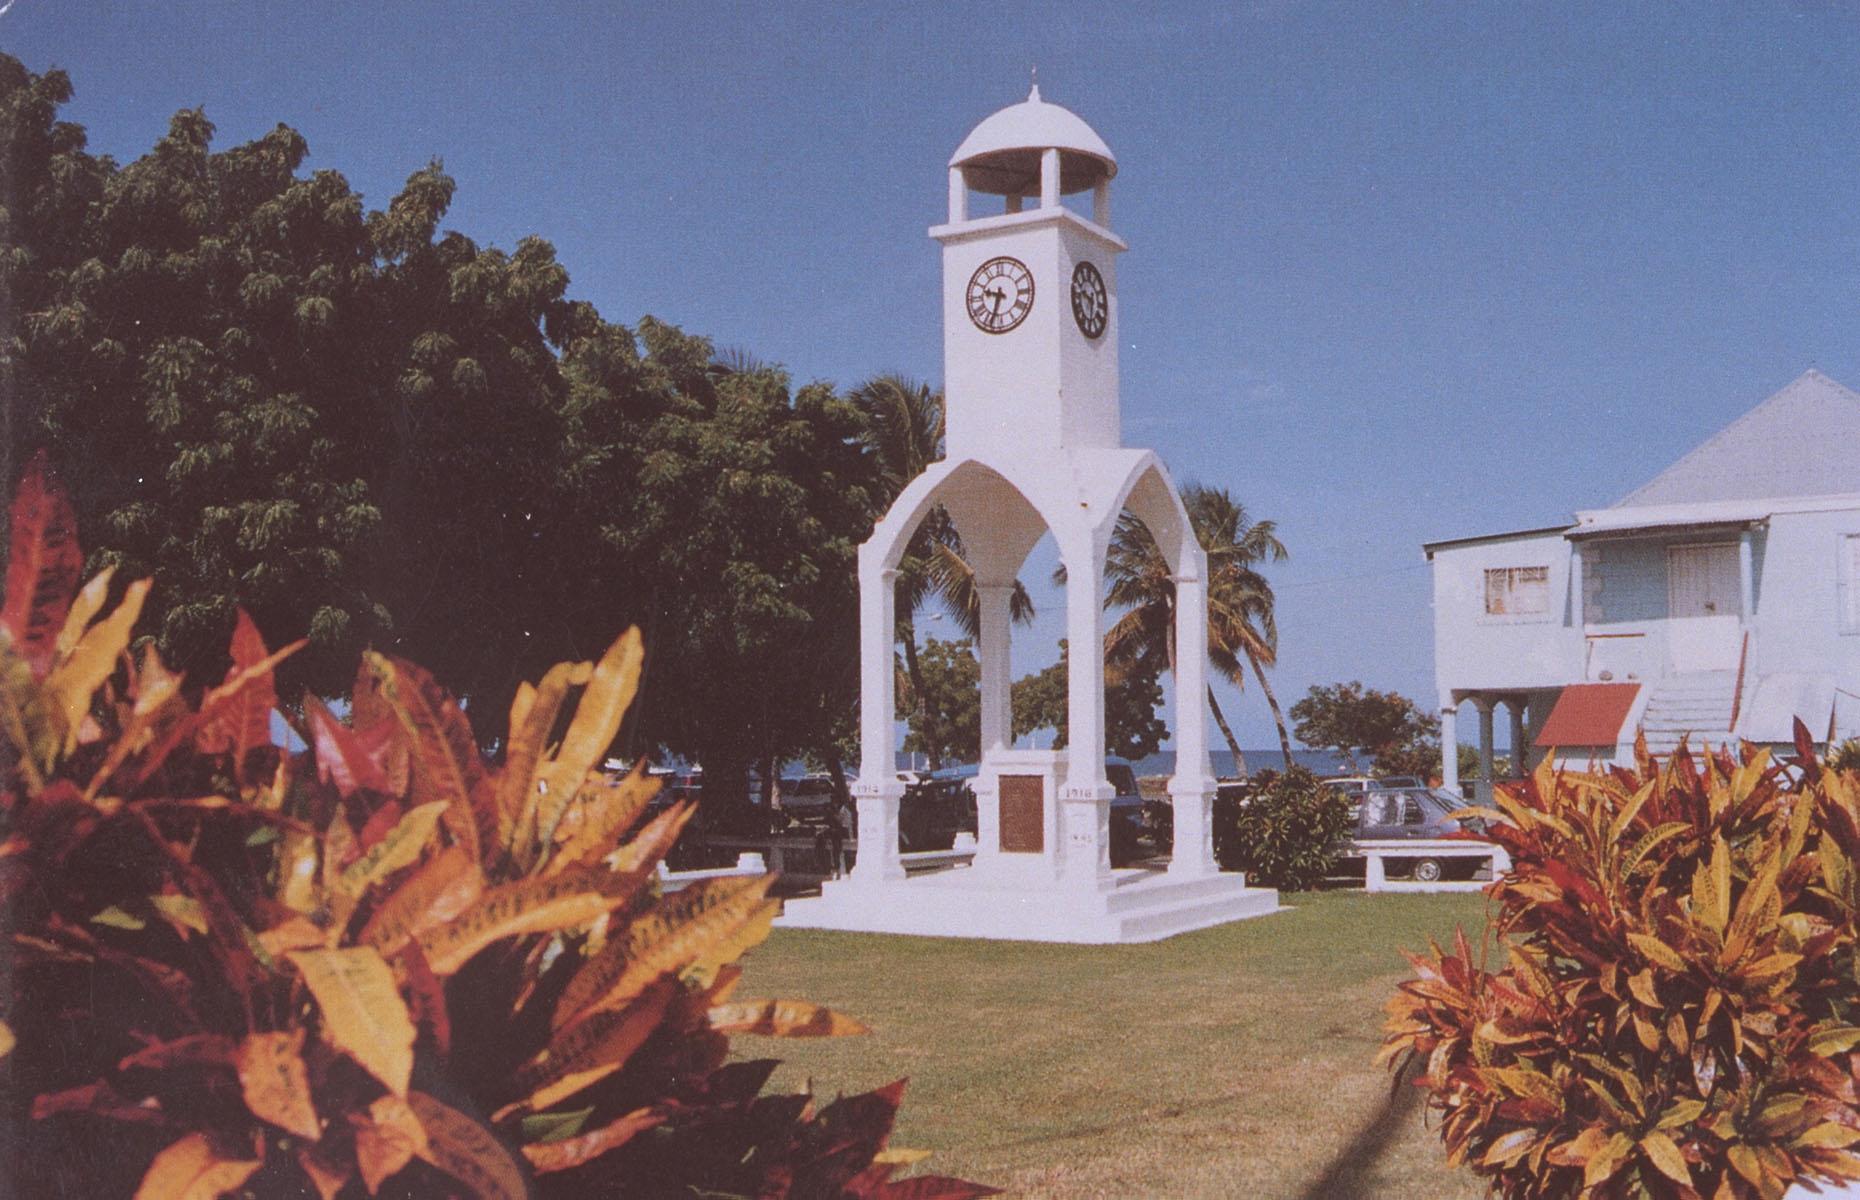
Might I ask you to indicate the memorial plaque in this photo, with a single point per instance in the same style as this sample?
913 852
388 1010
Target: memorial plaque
1023 814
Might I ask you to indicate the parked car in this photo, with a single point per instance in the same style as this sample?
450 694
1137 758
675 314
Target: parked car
1418 813
809 798
1358 784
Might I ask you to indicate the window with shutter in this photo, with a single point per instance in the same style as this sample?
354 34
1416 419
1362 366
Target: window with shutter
1517 591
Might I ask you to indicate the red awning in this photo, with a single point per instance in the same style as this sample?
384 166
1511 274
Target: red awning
1589 714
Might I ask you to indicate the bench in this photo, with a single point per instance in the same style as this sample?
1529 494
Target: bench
1376 851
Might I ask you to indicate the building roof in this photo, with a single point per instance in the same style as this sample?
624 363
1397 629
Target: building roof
1799 442
1589 714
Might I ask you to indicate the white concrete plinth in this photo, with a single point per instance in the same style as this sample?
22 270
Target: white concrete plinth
1139 906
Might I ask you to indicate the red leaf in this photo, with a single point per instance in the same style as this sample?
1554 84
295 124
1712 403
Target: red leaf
196 1049
342 756
426 997
43 566
242 720
99 1100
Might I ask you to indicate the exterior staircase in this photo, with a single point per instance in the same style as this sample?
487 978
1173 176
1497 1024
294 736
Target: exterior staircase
1698 704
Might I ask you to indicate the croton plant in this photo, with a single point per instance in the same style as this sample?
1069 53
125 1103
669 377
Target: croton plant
1679 1003
379 965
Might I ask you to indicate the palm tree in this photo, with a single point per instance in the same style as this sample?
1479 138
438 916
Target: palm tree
1241 624
903 430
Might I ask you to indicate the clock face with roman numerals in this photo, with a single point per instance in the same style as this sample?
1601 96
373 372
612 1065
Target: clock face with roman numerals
1000 294
1090 304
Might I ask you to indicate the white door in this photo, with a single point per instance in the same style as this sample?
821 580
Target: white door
1703 597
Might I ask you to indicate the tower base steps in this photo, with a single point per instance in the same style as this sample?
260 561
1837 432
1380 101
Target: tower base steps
1139 906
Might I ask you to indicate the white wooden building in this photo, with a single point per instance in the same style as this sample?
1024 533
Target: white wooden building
1719 601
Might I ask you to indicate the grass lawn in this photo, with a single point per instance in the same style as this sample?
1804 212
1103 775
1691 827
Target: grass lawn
1234 1062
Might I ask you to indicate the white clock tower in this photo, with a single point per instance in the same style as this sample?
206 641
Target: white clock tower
1030 293
1030 315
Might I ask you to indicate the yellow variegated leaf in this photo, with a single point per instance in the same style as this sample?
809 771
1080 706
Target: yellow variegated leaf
297 862
276 1084
610 690
1666 1158
400 846
182 911
191 1169
446 766
1608 1160
7 1040
654 842
463 1148
363 1013
1657 951
783 1018
540 905
589 1051
74 681
608 808
84 607
681 930
533 715
1829 1136
1833 1040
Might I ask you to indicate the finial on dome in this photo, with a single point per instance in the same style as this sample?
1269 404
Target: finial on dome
1033 94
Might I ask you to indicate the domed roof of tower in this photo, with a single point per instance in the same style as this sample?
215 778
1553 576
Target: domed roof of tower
1001 156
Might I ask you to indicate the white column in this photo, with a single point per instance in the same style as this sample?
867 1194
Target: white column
1085 798
879 790
1520 753
958 196
1101 203
996 647
1746 575
1449 745
1484 706
1192 788
1049 179
1085 669
1578 611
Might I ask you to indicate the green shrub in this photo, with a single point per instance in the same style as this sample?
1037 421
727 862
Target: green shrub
1284 830
1678 1006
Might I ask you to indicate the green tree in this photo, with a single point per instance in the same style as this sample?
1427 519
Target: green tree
1241 622
1132 728
1387 726
945 719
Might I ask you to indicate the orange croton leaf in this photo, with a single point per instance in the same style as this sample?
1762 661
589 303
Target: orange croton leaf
43 563
386 1140
571 1152
191 1169
276 1084
445 886
465 1149
589 1051
537 905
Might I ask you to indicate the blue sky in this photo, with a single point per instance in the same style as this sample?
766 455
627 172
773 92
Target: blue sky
1399 272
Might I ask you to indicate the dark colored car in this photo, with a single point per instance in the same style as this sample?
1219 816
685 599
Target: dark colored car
1394 814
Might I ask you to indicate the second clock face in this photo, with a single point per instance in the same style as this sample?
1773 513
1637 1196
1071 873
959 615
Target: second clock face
1000 294
1091 305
